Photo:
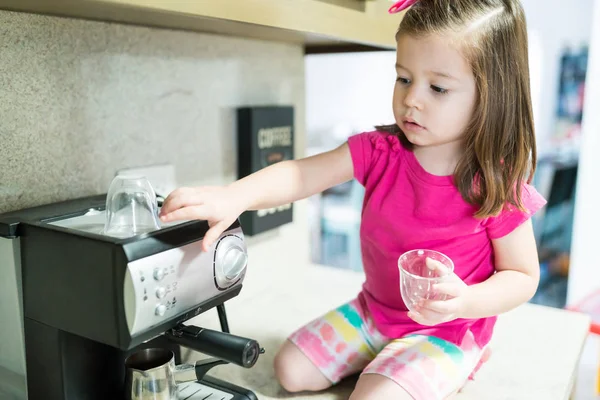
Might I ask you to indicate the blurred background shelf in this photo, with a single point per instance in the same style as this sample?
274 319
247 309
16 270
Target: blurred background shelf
318 24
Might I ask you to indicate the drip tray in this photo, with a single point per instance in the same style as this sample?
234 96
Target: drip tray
213 389
198 391
92 221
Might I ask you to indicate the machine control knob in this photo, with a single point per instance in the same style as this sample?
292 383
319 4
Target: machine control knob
160 310
159 273
234 262
160 292
230 260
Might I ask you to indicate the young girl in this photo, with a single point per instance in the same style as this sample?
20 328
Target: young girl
450 175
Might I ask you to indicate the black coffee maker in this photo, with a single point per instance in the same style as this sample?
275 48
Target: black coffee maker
91 300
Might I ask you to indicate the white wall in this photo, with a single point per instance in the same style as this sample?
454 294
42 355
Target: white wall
584 275
347 92
552 25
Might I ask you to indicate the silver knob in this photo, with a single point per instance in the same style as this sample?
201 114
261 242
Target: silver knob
159 273
230 260
234 263
160 292
160 310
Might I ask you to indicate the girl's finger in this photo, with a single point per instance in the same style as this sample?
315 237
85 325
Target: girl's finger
438 266
186 213
213 234
419 319
431 316
179 198
450 289
445 308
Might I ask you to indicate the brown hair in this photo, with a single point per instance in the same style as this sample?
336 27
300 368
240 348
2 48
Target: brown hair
500 150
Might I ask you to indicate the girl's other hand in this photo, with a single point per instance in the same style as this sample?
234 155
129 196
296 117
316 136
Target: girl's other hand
433 312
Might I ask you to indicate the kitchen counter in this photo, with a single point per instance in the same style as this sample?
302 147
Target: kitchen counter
282 291
535 362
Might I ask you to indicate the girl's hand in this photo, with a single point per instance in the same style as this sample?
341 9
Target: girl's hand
433 312
216 204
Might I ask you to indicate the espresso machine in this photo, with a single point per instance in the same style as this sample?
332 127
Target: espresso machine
91 300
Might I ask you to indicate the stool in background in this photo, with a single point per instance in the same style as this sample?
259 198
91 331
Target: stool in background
590 305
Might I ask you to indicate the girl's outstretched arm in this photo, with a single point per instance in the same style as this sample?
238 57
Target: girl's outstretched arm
278 184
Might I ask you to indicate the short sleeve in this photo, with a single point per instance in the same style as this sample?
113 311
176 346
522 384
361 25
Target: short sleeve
366 148
512 217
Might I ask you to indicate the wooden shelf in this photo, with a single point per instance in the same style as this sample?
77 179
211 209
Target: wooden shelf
311 22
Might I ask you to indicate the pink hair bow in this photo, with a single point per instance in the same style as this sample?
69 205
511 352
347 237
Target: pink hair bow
401 5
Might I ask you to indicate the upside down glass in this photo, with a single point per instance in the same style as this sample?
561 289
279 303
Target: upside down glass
417 279
131 207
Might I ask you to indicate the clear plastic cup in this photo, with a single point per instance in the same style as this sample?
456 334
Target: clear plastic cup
417 279
131 207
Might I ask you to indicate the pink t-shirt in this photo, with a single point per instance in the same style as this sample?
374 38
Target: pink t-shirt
406 208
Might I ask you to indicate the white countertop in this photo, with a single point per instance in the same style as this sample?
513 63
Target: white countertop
283 291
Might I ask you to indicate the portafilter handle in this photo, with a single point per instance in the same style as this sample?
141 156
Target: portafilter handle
225 346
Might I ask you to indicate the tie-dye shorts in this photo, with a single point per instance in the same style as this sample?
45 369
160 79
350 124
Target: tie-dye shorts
345 341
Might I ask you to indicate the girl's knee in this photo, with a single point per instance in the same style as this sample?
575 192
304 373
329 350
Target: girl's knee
284 371
296 373
377 387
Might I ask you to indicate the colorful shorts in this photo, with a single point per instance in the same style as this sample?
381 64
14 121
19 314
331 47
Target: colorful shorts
345 341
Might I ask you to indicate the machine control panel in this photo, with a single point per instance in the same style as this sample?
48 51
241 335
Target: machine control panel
165 285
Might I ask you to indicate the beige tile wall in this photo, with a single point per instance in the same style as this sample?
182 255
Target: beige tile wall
80 100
